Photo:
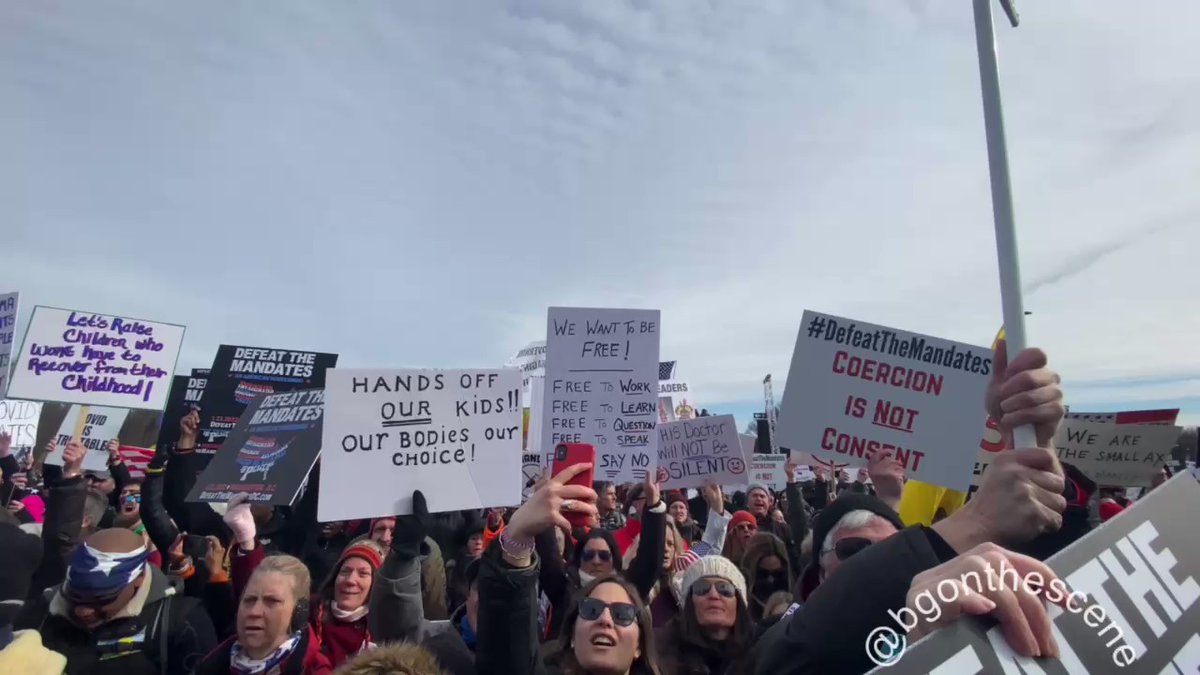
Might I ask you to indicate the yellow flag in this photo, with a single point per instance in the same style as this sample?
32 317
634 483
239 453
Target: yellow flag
922 502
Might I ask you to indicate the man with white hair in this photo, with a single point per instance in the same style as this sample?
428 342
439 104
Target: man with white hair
850 524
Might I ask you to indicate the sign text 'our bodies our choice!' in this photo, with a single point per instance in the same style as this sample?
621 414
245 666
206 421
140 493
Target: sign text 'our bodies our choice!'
454 434
602 387
88 358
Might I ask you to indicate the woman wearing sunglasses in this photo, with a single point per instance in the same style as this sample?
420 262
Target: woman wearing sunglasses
767 569
713 632
607 631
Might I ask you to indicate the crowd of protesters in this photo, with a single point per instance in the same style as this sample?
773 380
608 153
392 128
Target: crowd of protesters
105 574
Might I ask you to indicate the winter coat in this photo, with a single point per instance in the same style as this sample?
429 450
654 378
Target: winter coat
155 625
677 657
307 659
26 655
826 636
394 659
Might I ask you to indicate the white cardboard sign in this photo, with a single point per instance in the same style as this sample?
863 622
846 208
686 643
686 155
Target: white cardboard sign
1128 455
693 452
602 387
99 427
453 434
768 470
8 329
96 359
533 462
676 401
19 419
531 361
854 388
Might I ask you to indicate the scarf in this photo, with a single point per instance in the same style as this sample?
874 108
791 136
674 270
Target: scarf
585 578
241 664
347 616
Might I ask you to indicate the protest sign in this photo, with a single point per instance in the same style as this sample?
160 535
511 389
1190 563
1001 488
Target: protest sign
239 374
19 419
768 470
601 387
993 442
1128 455
696 451
186 392
94 427
675 401
1136 609
269 452
96 359
854 388
531 361
8 329
533 462
453 434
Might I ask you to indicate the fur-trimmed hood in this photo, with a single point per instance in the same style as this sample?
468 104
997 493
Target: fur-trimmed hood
393 659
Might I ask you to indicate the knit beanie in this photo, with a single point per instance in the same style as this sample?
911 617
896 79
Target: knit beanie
35 507
739 518
714 566
366 549
757 487
675 496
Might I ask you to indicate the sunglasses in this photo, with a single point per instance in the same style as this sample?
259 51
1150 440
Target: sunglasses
702 587
592 554
132 499
623 614
850 546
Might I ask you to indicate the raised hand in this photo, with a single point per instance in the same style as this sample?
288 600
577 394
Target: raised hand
73 459
713 497
544 508
1025 391
239 519
652 491
5 443
114 451
189 430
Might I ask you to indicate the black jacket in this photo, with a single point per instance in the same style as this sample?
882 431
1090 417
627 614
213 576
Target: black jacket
827 635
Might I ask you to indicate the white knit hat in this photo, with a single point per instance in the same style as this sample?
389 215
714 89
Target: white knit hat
713 566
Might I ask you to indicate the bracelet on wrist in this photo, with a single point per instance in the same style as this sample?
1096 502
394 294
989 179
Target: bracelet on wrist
514 547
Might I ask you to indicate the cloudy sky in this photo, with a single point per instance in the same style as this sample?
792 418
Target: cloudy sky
413 183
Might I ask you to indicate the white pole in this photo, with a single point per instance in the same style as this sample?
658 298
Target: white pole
1002 209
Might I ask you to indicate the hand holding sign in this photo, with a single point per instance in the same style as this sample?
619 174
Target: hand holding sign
5 443
114 451
73 459
1017 607
1025 392
1021 497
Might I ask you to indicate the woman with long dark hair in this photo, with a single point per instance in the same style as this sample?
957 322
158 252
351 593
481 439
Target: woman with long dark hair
713 632
767 570
607 631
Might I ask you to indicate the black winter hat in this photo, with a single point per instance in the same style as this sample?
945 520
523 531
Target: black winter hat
846 503
20 557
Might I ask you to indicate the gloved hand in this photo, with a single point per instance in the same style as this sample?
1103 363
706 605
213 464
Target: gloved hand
241 521
411 530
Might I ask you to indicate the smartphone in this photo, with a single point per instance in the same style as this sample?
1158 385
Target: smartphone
195 547
567 455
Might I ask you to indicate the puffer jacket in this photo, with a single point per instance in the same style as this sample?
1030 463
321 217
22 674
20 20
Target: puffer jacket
26 654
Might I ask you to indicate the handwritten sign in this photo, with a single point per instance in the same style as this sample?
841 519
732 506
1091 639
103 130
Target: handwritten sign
270 452
239 374
855 388
768 470
95 430
533 462
531 361
79 357
1134 607
19 419
696 451
1129 455
8 328
602 387
676 401
453 434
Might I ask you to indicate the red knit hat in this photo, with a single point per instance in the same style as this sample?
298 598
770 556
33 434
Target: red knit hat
739 518
366 549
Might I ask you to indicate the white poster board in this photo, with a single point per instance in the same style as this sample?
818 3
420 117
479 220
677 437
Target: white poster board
768 470
533 462
854 388
696 451
1127 455
96 359
453 434
531 361
8 330
602 387
676 401
19 419
100 426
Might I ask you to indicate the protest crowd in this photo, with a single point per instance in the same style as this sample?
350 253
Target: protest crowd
108 573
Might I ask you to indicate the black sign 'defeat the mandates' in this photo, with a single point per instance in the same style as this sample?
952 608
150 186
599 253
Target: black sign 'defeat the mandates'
270 451
1141 613
185 394
239 374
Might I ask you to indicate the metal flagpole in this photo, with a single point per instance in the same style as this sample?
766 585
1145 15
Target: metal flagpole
1002 209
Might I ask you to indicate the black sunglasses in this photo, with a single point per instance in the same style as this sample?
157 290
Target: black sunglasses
702 587
591 554
623 614
849 546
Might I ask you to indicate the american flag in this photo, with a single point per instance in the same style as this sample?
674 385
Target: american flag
1166 416
666 370
136 459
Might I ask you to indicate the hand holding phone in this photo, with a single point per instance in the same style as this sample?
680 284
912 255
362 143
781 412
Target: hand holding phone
567 455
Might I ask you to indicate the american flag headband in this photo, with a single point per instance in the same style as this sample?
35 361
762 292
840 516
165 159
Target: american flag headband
94 572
